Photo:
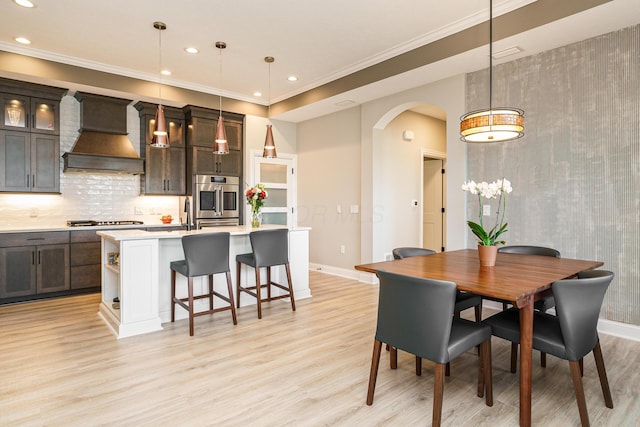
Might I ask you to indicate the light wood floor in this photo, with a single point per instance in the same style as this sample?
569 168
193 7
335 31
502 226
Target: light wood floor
59 365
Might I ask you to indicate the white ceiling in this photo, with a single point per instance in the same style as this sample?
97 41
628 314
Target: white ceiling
318 41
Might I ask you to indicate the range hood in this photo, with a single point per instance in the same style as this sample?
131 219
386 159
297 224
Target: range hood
103 144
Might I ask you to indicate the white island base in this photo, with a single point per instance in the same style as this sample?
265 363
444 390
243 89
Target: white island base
141 278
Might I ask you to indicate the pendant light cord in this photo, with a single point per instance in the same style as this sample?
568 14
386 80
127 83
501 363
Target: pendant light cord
160 64
220 70
269 92
490 56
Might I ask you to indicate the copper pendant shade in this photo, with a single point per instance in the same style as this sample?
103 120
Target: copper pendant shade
493 124
160 137
220 144
269 145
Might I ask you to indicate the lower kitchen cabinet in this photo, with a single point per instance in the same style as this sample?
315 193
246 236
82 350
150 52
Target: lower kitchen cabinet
27 268
85 259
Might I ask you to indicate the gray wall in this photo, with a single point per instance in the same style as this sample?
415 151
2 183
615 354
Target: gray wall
575 173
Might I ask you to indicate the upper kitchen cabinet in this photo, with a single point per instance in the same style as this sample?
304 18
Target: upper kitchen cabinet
29 137
165 168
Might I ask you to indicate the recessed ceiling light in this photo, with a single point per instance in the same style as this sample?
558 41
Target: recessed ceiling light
292 78
166 72
24 3
257 93
23 40
192 50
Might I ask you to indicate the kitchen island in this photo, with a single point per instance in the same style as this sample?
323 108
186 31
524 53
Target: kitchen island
135 270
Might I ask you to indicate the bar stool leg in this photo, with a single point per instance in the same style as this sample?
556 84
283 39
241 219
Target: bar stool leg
211 292
190 284
231 303
269 283
293 301
238 268
173 296
259 298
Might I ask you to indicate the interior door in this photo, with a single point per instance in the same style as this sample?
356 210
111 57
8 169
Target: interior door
432 214
278 177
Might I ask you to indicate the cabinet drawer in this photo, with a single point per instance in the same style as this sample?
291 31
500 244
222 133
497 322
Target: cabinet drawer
85 253
31 239
85 276
84 236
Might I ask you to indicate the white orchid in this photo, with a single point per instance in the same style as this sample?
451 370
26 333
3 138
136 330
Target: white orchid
495 190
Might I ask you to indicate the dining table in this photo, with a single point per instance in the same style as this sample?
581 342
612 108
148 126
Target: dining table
518 279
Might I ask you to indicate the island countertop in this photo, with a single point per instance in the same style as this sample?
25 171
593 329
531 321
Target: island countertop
234 230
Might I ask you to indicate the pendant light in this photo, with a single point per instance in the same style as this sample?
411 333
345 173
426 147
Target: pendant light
494 124
269 146
220 145
160 138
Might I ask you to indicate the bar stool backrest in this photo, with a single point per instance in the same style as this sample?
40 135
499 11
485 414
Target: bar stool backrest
270 247
206 253
407 252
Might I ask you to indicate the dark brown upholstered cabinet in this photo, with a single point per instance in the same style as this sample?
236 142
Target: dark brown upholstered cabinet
33 263
29 137
165 168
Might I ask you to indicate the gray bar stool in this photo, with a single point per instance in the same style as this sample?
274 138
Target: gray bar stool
205 255
270 248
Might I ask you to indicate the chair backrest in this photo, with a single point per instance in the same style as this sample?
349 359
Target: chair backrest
415 314
529 250
270 247
578 304
407 252
206 253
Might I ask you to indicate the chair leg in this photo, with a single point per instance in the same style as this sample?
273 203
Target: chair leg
543 359
487 375
393 358
447 369
259 298
579 391
292 298
438 394
173 296
190 286
211 292
581 364
602 373
231 303
514 357
373 374
269 283
418 365
238 268
478 312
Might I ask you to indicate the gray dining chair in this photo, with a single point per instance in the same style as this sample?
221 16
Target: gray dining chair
543 304
205 255
572 333
464 300
416 315
270 248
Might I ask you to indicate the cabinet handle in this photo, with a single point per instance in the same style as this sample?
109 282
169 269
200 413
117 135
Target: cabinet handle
39 258
28 176
33 257
33 181
168 185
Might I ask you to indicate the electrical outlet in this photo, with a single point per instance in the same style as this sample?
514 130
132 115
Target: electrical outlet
388 256
339 208
354 209
414 203
138 210
486 210
343 249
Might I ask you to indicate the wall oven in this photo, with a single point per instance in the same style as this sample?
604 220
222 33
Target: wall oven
216 200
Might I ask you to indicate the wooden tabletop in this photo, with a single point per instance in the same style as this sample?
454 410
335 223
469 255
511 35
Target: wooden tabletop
514 278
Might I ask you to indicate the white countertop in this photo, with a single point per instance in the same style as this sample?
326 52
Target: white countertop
234 230
64 227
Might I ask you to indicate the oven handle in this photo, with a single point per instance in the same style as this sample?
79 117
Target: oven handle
220 201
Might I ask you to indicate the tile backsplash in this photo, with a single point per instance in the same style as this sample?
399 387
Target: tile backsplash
97 196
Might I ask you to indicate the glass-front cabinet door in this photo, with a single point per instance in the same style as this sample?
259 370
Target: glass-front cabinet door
44 116
277 176
29 114
16 112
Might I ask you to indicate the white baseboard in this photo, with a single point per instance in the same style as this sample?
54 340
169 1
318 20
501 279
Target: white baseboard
607 327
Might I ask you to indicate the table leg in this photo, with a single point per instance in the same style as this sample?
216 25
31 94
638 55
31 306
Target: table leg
526 350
